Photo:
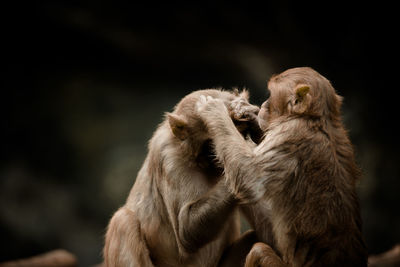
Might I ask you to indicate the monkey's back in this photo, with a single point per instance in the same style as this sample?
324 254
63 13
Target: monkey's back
318 199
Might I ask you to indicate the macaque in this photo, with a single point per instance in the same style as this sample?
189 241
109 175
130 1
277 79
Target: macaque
298 186
179 211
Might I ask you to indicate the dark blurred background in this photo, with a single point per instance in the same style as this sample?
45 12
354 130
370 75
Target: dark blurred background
86 83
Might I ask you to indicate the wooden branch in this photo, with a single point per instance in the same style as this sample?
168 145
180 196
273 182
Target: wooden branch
62 258
55 258
390 258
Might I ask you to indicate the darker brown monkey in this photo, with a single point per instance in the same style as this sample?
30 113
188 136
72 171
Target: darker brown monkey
179 212
298 185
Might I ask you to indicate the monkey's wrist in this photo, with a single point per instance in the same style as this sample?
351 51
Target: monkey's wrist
242 194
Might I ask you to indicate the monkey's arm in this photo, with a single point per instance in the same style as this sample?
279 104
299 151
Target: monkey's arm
244 176
200 221
221 127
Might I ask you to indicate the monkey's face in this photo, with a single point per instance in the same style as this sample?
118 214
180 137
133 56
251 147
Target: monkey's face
274 107
263 116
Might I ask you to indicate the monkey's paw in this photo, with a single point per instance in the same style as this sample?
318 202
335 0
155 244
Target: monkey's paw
208 104
242 110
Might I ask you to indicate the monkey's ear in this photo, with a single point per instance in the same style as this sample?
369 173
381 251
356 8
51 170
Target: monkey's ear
302 98
245 94
179 126
301 91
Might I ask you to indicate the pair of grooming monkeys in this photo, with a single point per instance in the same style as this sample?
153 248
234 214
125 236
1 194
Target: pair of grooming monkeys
294 180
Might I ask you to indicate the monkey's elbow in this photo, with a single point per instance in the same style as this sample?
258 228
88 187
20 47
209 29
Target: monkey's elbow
186 235
187 243
191 232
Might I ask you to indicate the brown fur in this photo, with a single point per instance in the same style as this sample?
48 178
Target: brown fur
263 255
179 212
298 184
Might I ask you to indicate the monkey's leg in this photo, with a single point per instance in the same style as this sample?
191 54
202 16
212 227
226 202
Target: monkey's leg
235 254
263 255
124 245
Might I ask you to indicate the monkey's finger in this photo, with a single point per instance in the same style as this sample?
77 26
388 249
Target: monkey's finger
245 112
252 110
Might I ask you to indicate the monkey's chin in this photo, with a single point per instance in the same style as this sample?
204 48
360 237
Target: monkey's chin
263 125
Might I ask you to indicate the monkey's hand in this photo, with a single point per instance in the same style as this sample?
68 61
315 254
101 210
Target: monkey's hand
242 110
207 105
245 118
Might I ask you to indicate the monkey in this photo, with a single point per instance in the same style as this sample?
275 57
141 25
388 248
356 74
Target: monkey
297 187
179 211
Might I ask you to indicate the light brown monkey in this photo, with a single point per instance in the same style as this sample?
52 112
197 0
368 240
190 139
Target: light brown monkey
299 182
179 212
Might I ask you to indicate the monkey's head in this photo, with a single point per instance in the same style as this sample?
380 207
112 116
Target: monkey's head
189 128
299 92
